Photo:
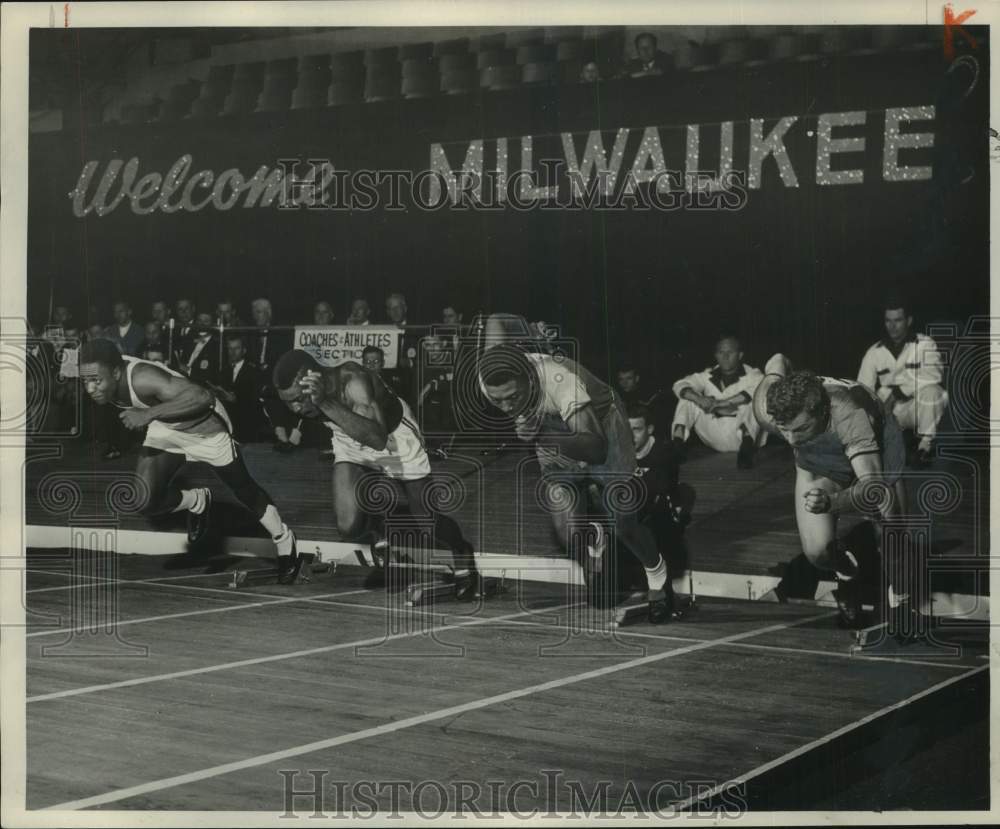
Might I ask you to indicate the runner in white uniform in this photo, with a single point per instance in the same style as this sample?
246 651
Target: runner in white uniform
373 429
184 422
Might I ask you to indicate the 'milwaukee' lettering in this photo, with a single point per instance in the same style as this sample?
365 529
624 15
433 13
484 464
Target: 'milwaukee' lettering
601 161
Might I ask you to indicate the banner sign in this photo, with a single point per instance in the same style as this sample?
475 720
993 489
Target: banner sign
332 345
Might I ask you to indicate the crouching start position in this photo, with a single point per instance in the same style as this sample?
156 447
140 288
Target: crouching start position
373 429
184 422
849 454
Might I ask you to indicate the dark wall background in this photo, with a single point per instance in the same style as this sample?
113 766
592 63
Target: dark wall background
802 270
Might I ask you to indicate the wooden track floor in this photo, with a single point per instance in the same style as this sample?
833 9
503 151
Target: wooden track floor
197 696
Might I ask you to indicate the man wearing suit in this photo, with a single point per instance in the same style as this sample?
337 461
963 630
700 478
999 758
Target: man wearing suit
124 333
649 60
239 389
267 347
202 364
183 340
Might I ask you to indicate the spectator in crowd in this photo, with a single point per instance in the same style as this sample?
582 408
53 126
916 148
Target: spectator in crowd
239 389
95 332
715 403
434 402
632 391
649 60
657 464
39 375
64 392
204 319
225 312
153 339
123 332
450 315
360 312
202 364
904 370
55 331
159 312
183 339
395 310
323 313
590 73
268 346
452 336
373 359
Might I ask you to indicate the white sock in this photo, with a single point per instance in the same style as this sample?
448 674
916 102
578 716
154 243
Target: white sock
896 599
281 434
193 500
284 541
657 576
272 522
925 443
295 438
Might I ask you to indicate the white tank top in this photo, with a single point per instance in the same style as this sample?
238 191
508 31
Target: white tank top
132 362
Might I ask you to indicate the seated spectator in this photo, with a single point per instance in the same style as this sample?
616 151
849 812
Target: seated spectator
182 337
125 333
95 332
225 312
716 403
159 312
266 347
373 359
202 364
658 464
323 313
360 312
904 370
65 396
395 313
204 319
649 60
395 310
434 402
153 339
55 330
238 388
590 73
450 315
632 391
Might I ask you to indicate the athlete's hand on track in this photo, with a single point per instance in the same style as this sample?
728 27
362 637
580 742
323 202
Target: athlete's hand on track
311 387
817 501
135 418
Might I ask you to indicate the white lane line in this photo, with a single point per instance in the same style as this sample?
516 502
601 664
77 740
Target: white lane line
224 609
780 648
826 738
259 660
162 581
409 722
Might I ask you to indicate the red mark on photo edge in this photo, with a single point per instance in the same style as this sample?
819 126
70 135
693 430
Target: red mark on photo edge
66 16
953 24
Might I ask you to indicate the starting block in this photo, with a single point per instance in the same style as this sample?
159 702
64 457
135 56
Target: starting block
428 592
635 609
312 567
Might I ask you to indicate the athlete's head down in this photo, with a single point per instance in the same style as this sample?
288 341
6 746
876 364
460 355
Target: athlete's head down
289 372
510 381
799 406
101 369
